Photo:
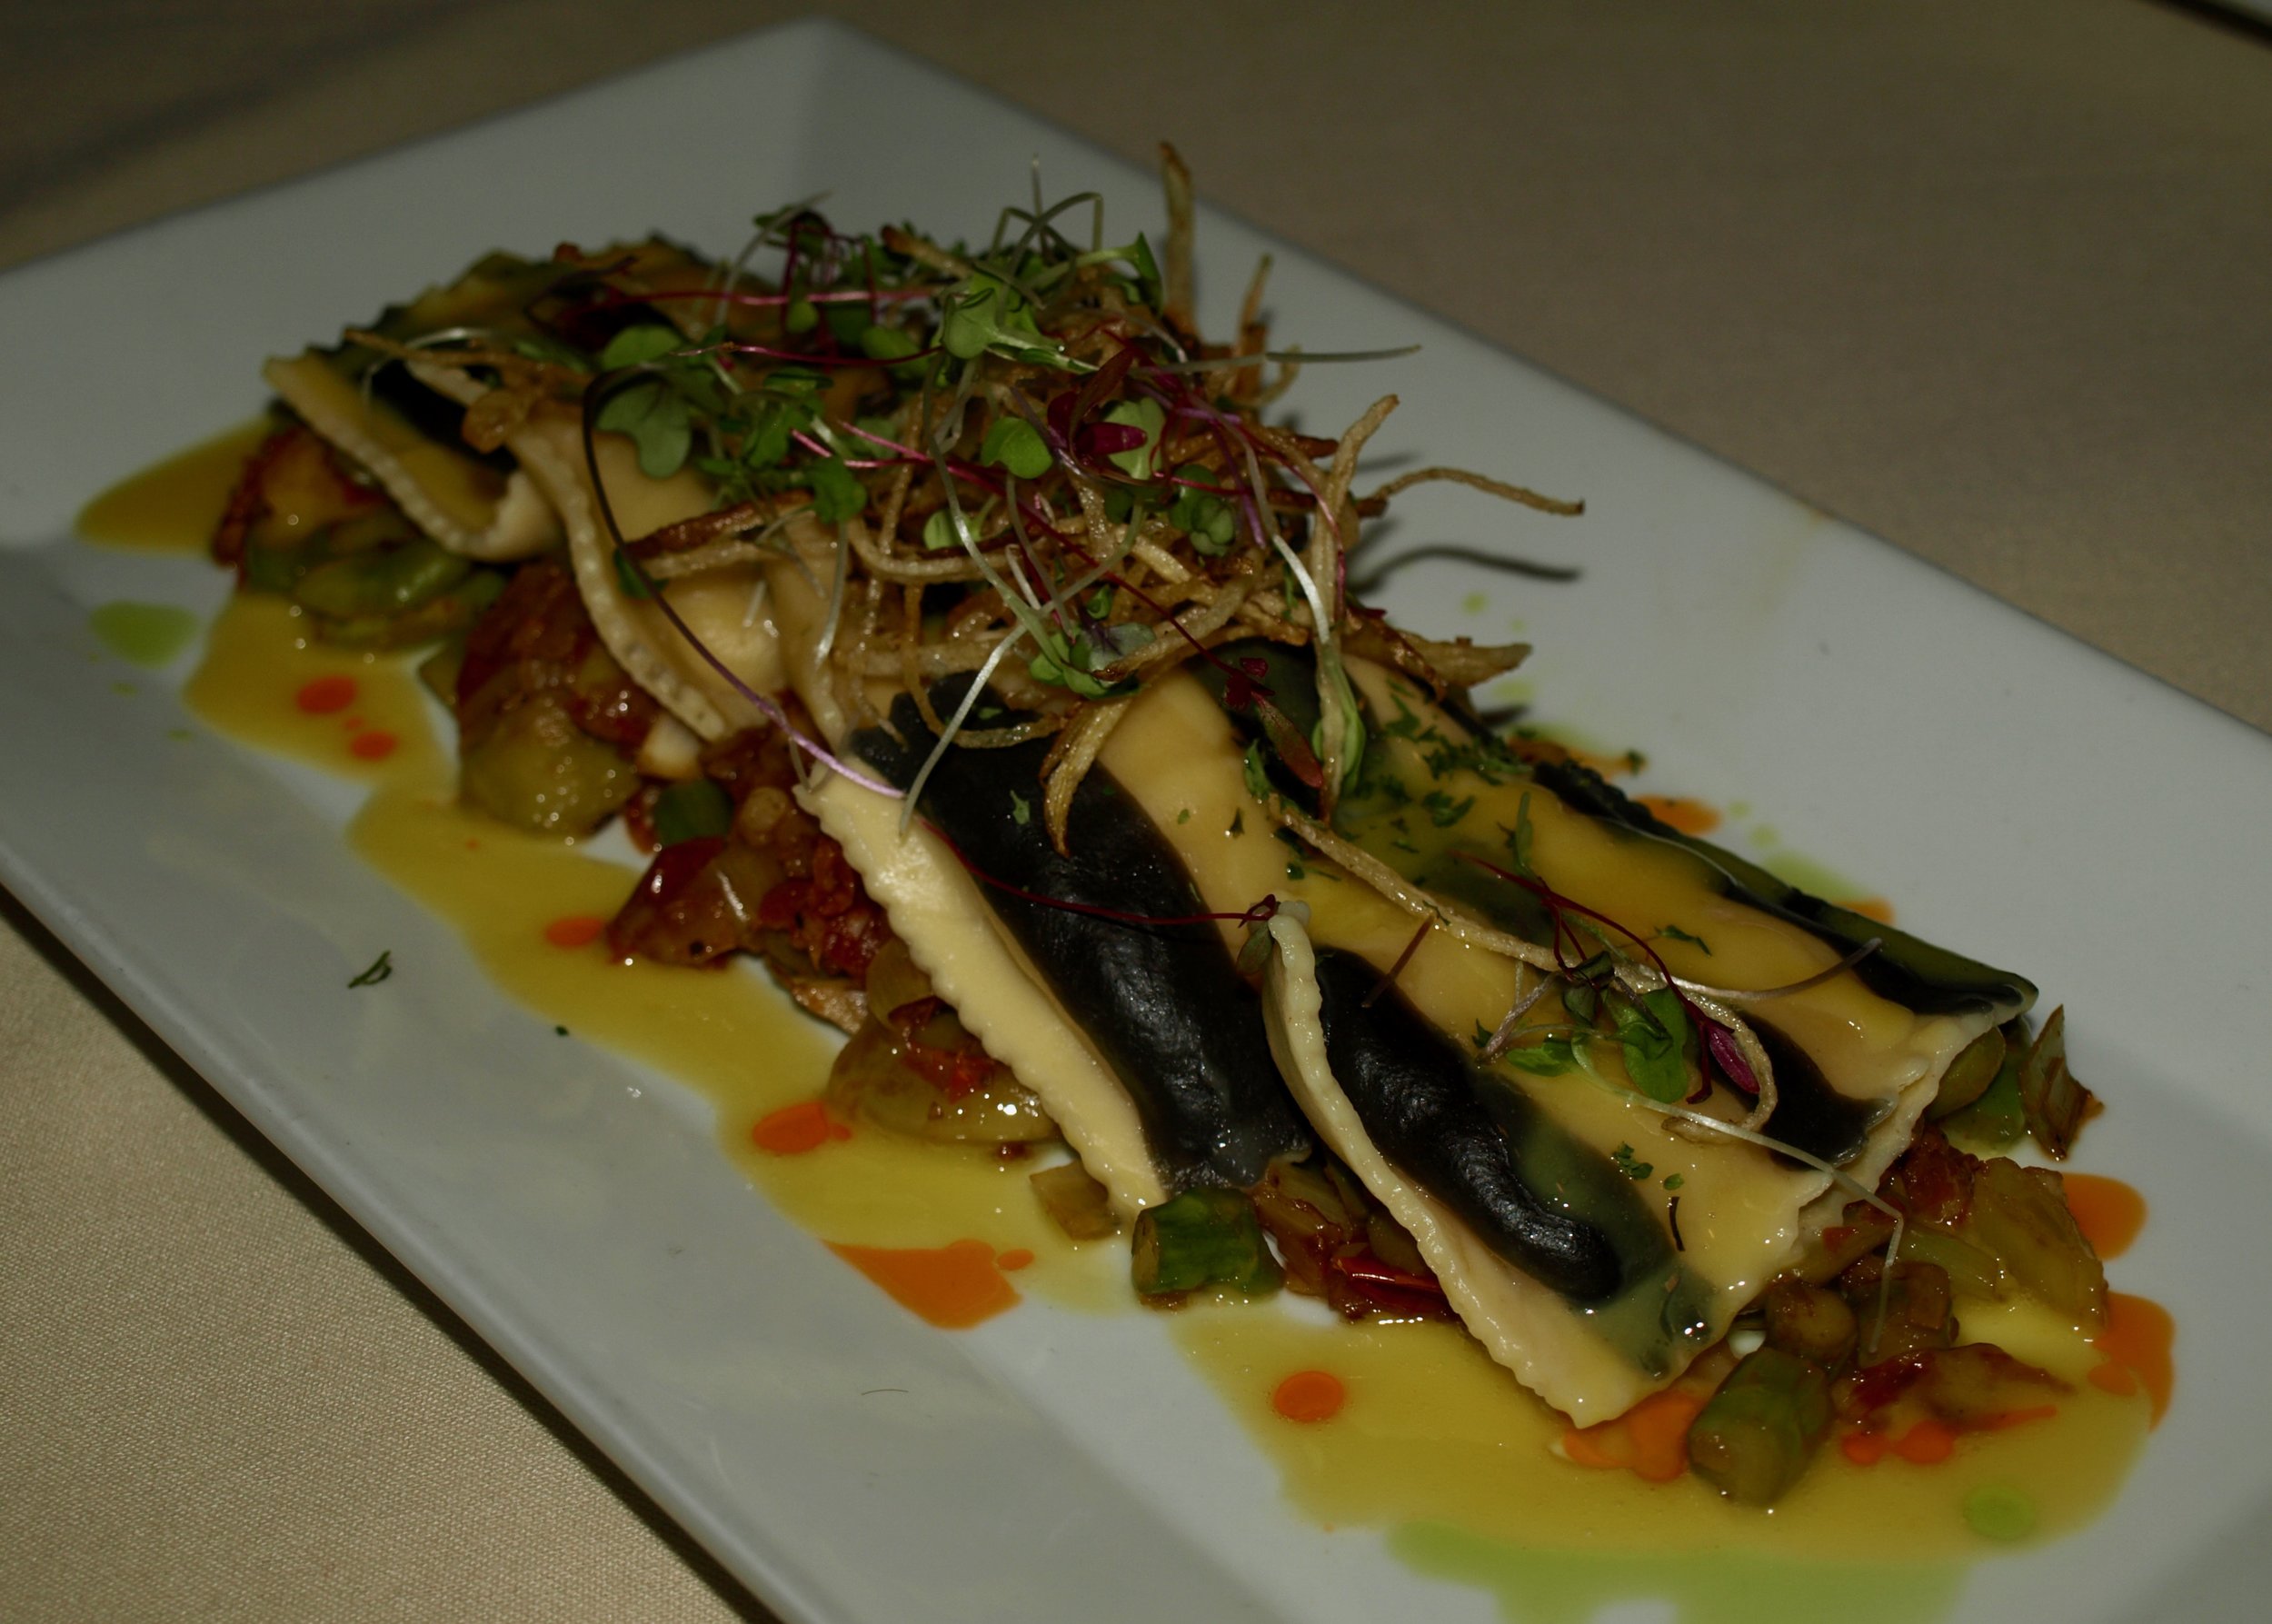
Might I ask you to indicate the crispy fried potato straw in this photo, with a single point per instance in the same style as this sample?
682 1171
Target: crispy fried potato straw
1481 482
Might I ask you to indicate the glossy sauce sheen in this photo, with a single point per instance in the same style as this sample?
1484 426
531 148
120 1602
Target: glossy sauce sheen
1405 1425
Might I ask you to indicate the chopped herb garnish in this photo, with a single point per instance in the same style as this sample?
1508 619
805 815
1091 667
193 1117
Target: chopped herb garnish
1624 1161
1239 820
1020 810
381 968
1257 777
1678 934
1184 816
1519 837
1674 1181
1443 810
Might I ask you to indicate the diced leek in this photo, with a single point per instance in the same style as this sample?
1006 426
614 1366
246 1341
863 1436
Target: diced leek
1081 1206
538 770
1810 1321
2020 1214
1972 1270
1995 1121
2052 1102
1969 1074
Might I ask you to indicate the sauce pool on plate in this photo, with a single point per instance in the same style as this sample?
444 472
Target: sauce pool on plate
1407 1427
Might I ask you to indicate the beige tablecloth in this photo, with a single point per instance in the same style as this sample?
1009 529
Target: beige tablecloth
1990 277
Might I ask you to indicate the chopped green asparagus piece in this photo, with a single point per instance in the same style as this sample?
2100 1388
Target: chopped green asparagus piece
1756 1435
692 811
1205 1237
384 582
442 616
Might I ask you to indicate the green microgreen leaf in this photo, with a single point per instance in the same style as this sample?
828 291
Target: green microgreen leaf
1583 1001
986 315
837 493
891 345
939 532
1148 415
1678 934
1549 1057
543 346
634 346
1020 808
1013 443
767 442
1211 522
1147 272
1623 1160
1067 664
656 418
1655 1035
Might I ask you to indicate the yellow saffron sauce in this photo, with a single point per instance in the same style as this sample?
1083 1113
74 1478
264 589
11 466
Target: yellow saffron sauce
1426 1438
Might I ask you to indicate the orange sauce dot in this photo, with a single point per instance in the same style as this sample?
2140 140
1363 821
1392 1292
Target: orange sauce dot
1929 1443
574 930
1863 1448
952 1286
324 695
1016 1258
1876 908
794 1130
2109 1212
2137 1344
1651 1438
373 746
1310 1396
1689 817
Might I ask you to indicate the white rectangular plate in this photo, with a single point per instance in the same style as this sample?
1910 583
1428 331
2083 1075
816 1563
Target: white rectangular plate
2023 796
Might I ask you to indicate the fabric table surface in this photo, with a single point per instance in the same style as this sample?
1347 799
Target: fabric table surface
1991 278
